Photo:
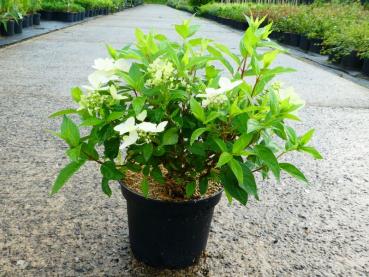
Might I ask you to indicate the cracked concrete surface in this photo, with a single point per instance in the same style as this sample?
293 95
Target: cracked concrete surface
320 230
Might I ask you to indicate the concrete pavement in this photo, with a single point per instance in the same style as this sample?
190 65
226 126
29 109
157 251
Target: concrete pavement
293 231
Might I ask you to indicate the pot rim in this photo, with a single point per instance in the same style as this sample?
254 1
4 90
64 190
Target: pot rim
186 202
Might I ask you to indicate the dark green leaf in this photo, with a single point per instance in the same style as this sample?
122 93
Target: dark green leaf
147 150
170 137
105 186
249 184
110 172
190 189
111 148
237 170
203 184
268 158
138 104
231 186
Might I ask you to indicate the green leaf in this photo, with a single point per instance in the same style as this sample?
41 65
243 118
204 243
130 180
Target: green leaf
306 137
70 132
76 93
237 170
74 153
212 116
92 121
224 158
312 151
114 116
170 137
231 186
105 186
268 158
145 187
253 125
197 110
249 184
195 135
112 51
111 148
138 104
89 151
221 144
65 174
147 150
203 184
63 112
110 172
242 142
157 175
190 189
293 171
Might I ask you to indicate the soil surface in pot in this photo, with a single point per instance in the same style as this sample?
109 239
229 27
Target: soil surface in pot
169 191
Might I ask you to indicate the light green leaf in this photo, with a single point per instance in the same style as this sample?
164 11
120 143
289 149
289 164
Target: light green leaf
242 142
306 137
65 174
312 151
138 104
293 171
76 93
253 125
63 112
70 132
195 135
92 121
197 110
224 158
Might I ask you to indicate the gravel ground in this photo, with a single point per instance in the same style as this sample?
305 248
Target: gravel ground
320 230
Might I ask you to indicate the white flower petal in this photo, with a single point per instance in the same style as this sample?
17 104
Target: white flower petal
99 78
127 126
147 127
162 126
129 140
104 64
142 116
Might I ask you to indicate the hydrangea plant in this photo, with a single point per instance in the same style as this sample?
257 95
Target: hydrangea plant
186 114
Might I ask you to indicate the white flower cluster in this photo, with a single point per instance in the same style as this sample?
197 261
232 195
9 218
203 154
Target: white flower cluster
218 97
161 72
106 70
143 130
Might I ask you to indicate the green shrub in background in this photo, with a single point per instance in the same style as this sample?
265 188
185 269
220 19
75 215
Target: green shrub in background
342 27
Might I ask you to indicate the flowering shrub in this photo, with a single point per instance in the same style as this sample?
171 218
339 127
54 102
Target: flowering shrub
174 116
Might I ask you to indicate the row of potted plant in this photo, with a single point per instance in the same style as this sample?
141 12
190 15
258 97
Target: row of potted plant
18 14
75 10
339 30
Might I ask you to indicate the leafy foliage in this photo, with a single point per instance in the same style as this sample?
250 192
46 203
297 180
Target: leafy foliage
173 109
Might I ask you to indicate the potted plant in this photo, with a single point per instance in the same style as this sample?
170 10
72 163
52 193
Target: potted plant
35 6
175 132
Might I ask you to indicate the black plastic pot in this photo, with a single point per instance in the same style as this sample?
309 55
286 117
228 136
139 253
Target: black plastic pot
294 39
168 234
25 21
83 14
18 26
275 35
30 20
8 30
285 38
365 68
36 19
315 45
46 15
352 61
304 43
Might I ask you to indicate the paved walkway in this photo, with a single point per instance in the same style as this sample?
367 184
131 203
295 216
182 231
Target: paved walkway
294 231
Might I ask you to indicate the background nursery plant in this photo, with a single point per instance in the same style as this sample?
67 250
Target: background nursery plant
175 120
